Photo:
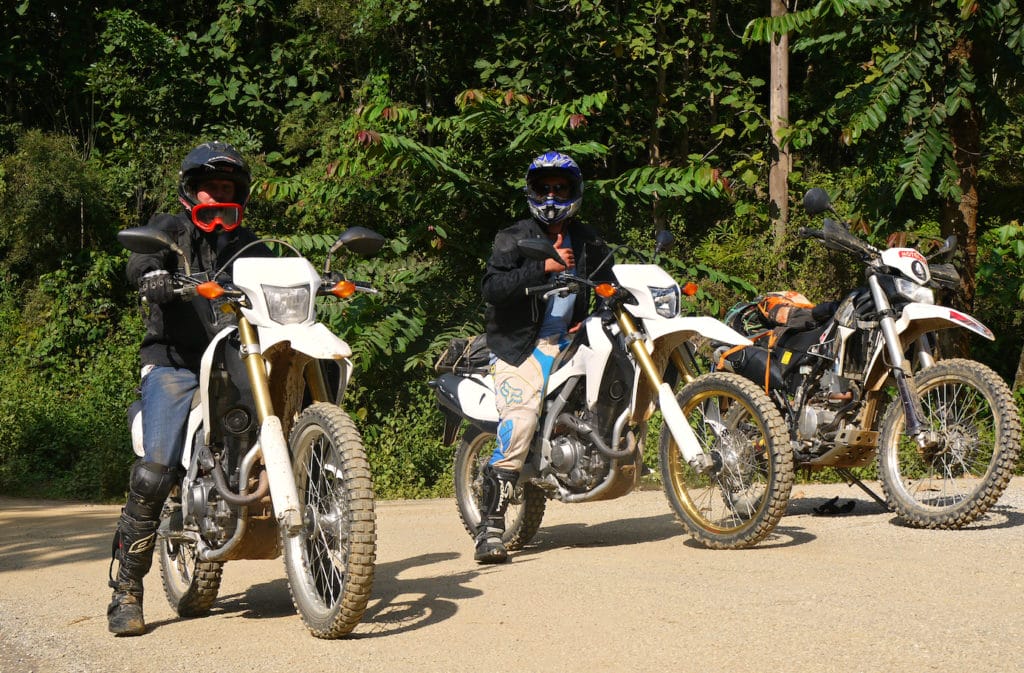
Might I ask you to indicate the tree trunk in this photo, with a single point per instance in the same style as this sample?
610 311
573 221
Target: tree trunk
961 218
1018 378
778 170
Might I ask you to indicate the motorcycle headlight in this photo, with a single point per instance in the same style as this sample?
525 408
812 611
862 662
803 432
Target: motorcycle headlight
914 292
287 305
666 300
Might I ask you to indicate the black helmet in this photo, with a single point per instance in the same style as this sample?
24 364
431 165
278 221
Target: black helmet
213 161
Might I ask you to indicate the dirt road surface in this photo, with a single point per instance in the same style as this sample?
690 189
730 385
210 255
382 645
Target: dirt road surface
613 586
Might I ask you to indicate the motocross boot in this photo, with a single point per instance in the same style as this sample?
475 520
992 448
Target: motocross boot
132 548
494 498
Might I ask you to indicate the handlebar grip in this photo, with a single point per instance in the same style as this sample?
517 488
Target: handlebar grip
365 286
805 232
541 289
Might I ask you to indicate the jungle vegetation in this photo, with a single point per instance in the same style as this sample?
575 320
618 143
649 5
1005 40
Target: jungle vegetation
419 118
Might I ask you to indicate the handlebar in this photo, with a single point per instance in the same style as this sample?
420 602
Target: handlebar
806 232
365 286
543 289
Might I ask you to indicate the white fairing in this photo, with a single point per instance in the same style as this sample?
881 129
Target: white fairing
251 273
137 446
205 367
315 340
917 312
589 360
476 398
638 279
691 326
909 262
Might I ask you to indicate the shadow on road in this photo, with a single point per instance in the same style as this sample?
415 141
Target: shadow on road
396 605
29 538
605 534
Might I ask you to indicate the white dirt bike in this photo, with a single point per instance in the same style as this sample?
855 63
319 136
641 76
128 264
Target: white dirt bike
726 463
271 461
946 435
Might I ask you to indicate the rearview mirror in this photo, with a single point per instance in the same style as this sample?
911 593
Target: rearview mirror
538 248
360 240
816 201
144 240
664 241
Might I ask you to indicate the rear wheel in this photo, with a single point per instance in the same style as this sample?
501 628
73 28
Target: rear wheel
974 439
739 500
330 563
190 585
526 508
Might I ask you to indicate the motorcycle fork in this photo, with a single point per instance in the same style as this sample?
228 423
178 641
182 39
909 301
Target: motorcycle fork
900 367
276 456
682 433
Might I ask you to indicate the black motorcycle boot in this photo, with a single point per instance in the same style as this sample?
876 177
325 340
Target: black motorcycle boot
495 494
132 548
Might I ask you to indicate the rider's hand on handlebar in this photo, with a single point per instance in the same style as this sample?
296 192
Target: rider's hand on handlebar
568 259
156 287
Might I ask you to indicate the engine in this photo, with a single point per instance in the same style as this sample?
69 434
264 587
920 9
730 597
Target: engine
578 465
832 396
208 512
204 508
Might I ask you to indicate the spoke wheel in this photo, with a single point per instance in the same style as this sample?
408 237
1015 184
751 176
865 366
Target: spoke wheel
740 499
190 585
973 442
526 508
330 563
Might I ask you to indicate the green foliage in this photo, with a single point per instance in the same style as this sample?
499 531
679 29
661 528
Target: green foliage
53 204
404 446
396 116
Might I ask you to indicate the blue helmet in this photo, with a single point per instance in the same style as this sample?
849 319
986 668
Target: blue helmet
551 208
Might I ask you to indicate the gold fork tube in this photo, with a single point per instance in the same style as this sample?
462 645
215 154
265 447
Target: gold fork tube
256 366
316 382
637 347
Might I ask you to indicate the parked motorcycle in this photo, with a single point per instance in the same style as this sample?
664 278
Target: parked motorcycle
724 454
860 380
271 461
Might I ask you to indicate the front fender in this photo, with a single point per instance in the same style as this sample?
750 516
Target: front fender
686 328
314 340
917 319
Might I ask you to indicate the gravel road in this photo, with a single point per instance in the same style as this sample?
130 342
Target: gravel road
614 586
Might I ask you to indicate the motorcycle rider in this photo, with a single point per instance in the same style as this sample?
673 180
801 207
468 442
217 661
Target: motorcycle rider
177 333
525 333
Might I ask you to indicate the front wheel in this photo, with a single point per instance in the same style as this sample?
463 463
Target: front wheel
330 562
973 438
739 500
526 507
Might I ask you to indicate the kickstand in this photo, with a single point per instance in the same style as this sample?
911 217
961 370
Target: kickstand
853 480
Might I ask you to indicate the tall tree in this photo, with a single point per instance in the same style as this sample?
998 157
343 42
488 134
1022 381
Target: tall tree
934 75
778 115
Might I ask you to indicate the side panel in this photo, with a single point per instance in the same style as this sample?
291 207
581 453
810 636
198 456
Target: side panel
589 360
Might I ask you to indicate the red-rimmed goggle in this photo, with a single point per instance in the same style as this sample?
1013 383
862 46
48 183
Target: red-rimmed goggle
209 216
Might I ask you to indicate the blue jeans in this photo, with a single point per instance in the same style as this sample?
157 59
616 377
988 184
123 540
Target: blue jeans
166 399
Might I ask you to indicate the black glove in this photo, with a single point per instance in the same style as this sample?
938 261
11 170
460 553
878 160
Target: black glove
156 287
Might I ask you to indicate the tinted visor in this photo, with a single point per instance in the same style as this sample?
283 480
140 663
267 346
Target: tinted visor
209 216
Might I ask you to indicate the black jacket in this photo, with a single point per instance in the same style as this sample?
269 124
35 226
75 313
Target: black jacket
178 332
514 319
